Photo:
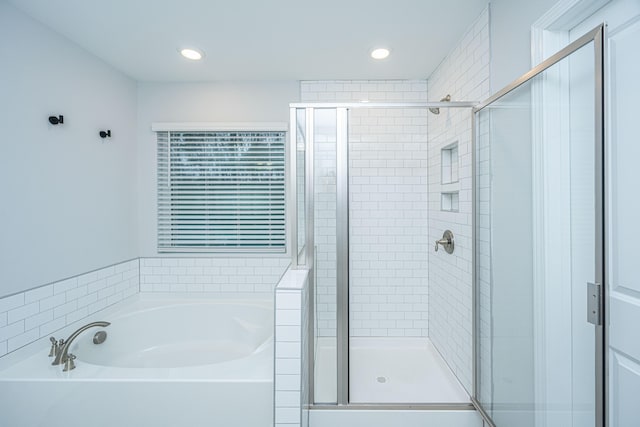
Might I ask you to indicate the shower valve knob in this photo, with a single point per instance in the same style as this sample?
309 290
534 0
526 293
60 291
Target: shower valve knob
446 242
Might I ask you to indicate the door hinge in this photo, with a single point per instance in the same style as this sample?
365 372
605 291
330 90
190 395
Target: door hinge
594 303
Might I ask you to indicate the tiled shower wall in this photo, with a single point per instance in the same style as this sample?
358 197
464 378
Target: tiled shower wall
464 74
388 210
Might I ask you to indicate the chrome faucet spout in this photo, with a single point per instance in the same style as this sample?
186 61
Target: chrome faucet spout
62 355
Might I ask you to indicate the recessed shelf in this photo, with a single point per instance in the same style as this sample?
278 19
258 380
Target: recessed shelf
450 202
449 163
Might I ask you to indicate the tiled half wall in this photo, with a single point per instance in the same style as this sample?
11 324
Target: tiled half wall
28 316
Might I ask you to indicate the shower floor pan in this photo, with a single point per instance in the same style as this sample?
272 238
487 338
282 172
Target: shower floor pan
388 370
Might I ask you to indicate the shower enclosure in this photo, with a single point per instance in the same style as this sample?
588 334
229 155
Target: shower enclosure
362 170
361 174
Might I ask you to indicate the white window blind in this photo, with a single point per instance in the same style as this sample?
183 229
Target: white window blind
221 191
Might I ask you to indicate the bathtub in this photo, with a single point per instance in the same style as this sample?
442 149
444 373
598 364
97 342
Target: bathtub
167 361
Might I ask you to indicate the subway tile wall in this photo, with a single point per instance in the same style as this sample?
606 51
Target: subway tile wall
388 209
291 392
388 222
28 316
211 274
464 74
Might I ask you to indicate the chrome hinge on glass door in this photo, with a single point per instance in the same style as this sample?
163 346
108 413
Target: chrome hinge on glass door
594 303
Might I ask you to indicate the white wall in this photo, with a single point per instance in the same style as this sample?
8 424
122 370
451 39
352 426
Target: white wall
511 38
197 102
67 196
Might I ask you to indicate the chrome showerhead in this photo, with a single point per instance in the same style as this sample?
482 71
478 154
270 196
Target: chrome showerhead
436 110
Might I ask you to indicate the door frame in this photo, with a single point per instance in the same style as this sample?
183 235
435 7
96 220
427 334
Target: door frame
597 35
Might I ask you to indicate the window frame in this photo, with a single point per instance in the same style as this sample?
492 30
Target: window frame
280 248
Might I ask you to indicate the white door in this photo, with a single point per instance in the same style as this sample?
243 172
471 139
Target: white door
623 207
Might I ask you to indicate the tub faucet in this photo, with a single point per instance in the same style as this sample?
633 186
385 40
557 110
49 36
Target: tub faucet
62 354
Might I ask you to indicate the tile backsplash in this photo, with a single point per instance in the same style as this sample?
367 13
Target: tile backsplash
211 274
28 316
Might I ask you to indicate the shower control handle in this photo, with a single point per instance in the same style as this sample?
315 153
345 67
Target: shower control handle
441 242
446 242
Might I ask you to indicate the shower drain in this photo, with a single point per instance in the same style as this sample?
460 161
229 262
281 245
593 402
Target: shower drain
381 380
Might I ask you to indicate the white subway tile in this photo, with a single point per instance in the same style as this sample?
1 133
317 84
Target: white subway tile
287 415
151 262
288 349
288 366
38 319
106 292
288 317
87 278
22 339
52 326
65 285
38 294
97 306
288 300
11 302
63 310
287 399
106 272
169 262
113 279
76 293
287 382
11 330
23 312
76 315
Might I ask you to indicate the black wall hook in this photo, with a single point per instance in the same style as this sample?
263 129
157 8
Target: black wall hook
106 134
56 120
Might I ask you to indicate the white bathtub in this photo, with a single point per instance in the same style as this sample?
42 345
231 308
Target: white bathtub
166 362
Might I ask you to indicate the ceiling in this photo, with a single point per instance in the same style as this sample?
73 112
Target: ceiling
261 39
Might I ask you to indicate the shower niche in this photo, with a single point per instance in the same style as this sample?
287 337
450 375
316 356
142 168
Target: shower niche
449 178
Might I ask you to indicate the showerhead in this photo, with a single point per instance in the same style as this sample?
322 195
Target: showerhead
436 110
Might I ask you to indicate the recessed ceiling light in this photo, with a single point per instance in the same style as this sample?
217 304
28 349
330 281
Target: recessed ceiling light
380 53
192 54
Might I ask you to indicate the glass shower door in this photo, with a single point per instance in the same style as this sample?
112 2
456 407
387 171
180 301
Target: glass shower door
538 244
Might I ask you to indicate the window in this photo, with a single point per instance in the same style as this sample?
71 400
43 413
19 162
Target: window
221 191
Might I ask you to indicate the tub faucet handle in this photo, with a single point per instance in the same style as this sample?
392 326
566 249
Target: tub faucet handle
54 347
68 363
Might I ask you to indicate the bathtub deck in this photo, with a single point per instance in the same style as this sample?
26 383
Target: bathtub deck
389 370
